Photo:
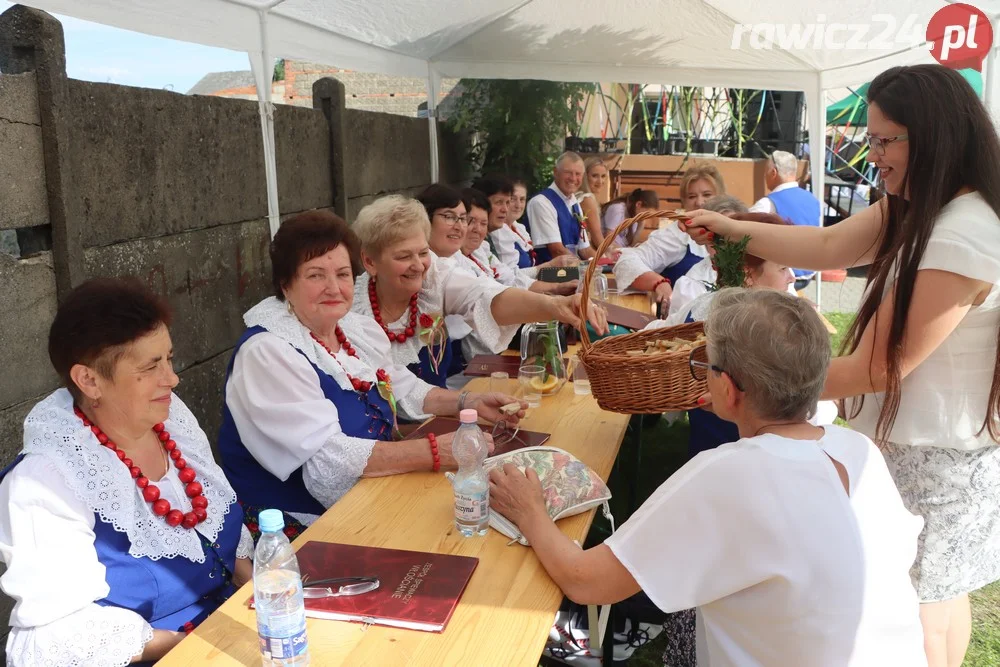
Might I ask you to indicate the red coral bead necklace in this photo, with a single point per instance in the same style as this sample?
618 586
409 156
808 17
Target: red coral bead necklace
482 268
151 492
359 385
411 327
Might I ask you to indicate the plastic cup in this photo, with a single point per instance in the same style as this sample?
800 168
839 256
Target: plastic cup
526 376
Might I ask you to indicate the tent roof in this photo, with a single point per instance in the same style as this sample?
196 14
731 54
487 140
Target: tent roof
853 109
687 42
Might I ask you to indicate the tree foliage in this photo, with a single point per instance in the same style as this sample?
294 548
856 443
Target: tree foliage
518 127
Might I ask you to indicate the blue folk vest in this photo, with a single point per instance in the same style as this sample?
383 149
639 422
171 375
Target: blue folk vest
682 267
799 207
168 592
523 257
569 228
361 416
423 369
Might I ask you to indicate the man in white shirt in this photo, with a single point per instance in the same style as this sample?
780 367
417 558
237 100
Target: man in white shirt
788 200
554 215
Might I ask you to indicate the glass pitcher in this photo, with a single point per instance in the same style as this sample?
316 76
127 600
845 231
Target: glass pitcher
542 345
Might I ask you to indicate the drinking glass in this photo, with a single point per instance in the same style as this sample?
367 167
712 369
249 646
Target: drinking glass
530 378
500 382
581 382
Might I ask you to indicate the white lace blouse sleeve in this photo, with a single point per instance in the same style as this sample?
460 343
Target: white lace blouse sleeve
660 250
471 297
55 578
281 413
245 548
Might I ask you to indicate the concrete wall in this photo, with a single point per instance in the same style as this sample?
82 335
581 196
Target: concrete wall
22 172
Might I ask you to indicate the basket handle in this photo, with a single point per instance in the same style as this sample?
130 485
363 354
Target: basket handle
592 266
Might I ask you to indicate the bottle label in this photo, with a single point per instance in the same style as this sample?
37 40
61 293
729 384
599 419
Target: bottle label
472 507
282 636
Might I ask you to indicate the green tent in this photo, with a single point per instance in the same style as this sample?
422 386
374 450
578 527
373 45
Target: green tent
853 109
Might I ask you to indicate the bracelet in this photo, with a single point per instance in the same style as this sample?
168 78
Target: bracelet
660 282
434 451
461 400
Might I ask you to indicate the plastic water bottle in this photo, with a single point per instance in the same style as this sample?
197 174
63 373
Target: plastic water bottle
277 590
472 489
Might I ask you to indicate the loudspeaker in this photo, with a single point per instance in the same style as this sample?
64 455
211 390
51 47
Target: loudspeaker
780 125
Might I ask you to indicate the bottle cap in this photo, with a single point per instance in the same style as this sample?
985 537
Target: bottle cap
468 416
270 521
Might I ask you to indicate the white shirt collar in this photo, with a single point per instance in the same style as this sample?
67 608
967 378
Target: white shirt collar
785 186
570 200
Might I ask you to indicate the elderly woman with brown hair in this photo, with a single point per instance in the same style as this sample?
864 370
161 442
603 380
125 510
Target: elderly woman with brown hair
313 390
118 530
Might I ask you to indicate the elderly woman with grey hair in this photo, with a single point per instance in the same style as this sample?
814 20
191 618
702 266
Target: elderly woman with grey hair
792 542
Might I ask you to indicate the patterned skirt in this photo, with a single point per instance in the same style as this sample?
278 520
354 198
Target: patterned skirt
957 492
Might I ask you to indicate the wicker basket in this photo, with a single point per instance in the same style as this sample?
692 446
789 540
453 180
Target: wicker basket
634 384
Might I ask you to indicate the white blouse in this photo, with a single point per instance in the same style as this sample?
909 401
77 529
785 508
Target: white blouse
690 286
47 508
784 566
506 243
284 419
943 401
490 266
467 305
664 248
474 342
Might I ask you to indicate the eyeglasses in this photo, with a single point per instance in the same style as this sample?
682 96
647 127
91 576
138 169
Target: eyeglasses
452 219
878 144
699 369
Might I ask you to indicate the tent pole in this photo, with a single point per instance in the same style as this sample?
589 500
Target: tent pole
433 86
817 157
990 83
263 71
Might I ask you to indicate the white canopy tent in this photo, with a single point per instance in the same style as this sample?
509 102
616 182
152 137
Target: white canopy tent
682 42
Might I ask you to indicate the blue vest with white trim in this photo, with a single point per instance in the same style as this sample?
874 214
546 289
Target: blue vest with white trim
361 416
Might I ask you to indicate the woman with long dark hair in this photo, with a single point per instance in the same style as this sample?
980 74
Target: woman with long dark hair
920 369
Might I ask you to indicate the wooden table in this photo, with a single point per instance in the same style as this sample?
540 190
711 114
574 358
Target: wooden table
507 610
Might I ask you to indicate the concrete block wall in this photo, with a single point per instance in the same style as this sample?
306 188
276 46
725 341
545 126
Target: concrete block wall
23 199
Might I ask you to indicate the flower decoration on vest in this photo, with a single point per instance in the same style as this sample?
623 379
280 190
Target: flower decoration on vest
581 219
531 247
434 335
382 382
384 385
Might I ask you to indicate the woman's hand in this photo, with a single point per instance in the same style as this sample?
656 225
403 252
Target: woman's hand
568 310
516 495
563 289
705 402
703 226
663 292
445 442
488 406
562 261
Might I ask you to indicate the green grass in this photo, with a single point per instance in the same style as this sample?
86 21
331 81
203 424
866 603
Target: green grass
664 451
